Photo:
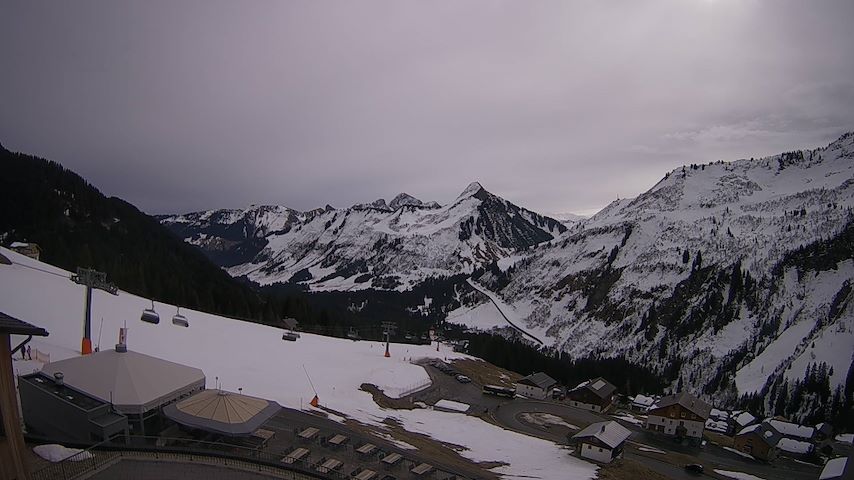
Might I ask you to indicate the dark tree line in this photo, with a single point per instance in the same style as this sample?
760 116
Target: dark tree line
520 357
77 226
810 400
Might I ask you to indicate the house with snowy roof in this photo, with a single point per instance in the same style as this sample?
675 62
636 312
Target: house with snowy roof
719 426
31 250
740 419
601 441
641 403
719 421
792 430
536 385
759 440
596 395
794 440
681 415
841 468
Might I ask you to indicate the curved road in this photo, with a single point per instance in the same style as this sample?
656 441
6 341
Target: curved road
490 295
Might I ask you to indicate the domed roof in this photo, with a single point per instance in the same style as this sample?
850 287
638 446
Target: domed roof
223 412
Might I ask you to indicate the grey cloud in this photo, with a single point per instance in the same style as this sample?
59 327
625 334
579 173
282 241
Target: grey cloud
559 106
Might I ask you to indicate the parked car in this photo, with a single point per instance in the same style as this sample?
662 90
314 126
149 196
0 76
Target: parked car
463 379
694 468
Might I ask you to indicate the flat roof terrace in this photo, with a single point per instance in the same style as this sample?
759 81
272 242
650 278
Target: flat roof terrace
66 393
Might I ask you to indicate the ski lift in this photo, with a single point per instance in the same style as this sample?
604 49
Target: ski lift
180 320
290 336
149 315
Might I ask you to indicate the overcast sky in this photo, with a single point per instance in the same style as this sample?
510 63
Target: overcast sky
558 106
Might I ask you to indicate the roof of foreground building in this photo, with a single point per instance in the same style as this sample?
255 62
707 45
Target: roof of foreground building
133 382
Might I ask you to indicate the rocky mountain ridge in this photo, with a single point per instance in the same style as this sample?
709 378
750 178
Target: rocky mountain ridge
381 245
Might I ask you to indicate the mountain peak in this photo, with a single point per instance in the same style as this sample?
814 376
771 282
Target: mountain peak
473 190
403 199
379 203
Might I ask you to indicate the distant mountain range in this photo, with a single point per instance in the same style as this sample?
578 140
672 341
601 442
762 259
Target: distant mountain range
386 245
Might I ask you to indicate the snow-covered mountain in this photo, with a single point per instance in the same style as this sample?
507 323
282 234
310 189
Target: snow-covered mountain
732 276
374 245
568 218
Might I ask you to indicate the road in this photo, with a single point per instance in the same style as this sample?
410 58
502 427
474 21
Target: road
491 297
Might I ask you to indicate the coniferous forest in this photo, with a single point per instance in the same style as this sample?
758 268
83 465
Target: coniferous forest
77 226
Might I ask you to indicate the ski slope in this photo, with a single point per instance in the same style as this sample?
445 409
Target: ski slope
254 357
509 314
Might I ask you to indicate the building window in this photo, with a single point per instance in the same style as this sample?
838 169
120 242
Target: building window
600 450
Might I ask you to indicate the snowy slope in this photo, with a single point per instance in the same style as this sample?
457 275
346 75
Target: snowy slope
628 281
253 357
376 245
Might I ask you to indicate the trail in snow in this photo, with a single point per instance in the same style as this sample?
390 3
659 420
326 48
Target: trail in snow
498 303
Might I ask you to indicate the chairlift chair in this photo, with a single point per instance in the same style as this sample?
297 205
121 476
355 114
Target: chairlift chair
290 336
180 320
149 315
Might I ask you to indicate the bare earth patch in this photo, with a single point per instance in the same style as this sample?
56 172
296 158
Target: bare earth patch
446 453
485 373
722 440
624 469
440 454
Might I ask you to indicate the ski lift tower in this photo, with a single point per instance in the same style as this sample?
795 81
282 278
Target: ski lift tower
91 279
388 329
